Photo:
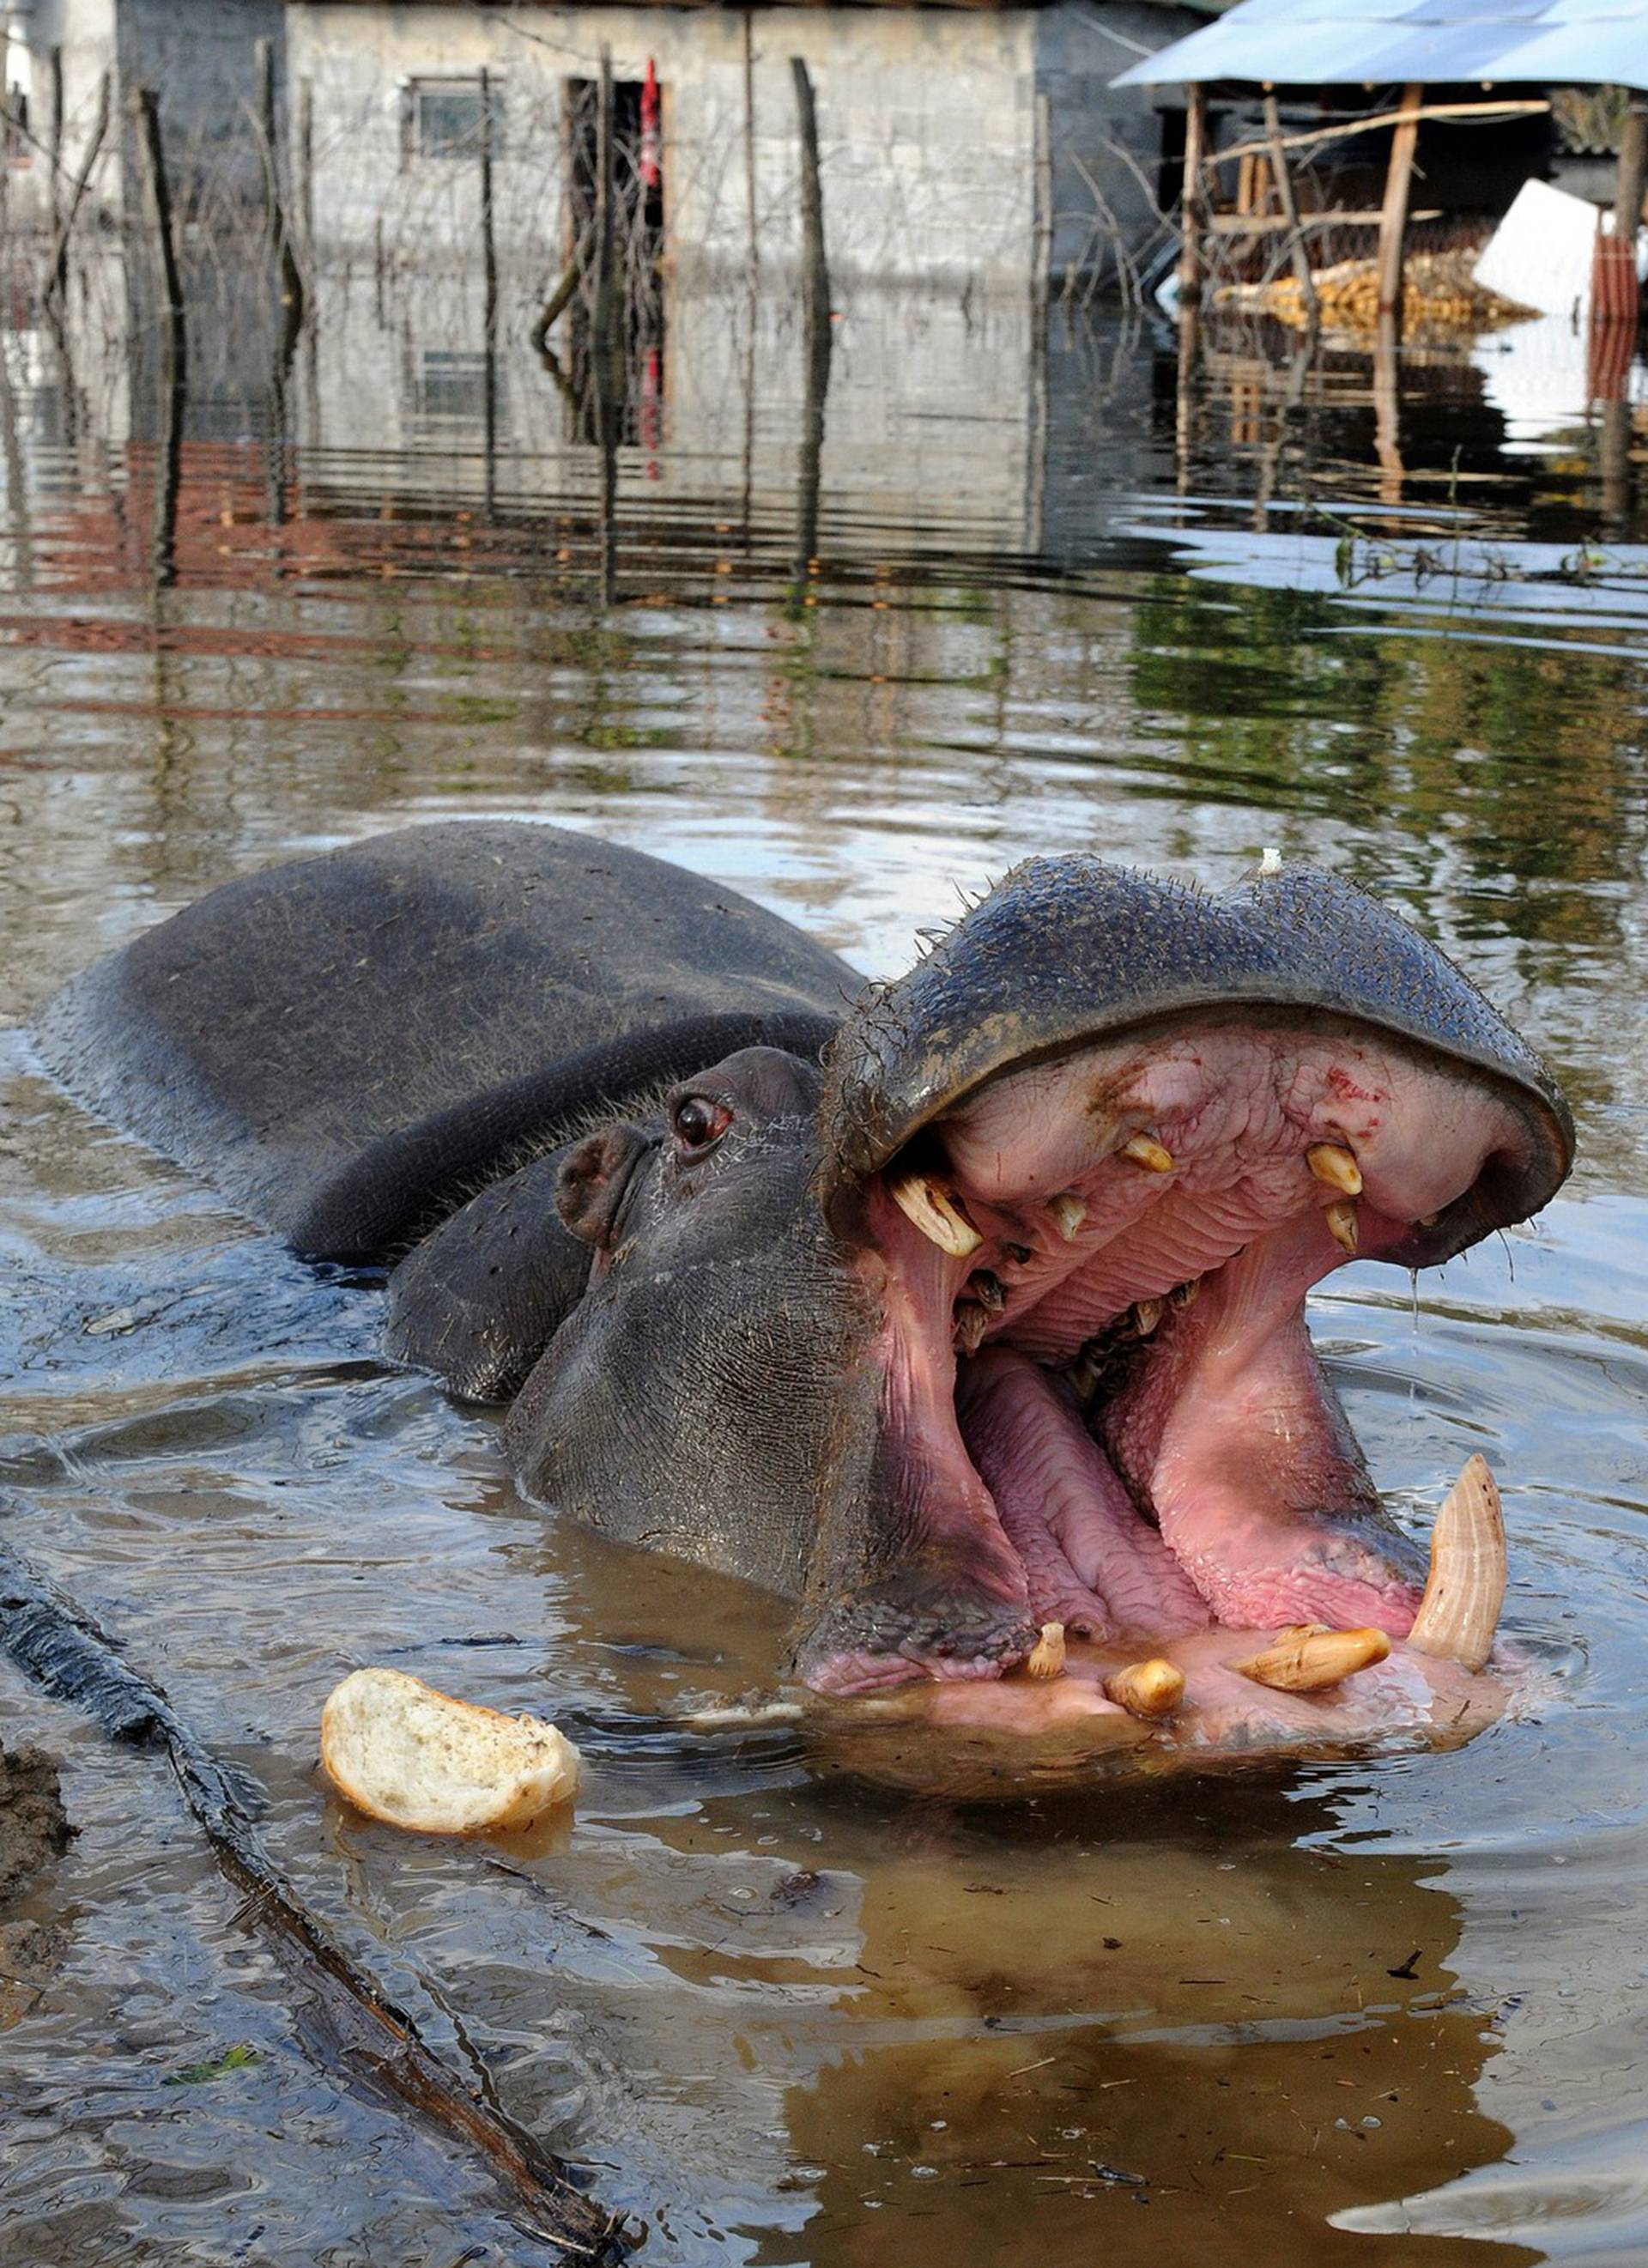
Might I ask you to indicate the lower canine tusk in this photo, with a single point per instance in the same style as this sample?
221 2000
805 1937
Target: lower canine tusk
937 1211
1046 1657
1309 1658
1459 1611
1147 1689
1343 1222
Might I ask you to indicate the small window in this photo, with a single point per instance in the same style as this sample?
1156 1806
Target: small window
450 387
442 117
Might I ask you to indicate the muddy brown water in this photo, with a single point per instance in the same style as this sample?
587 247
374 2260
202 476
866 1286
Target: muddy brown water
1378 2009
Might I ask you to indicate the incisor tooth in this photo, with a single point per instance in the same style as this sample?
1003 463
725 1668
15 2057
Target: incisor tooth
937 1211
1309 1658
1046 1657
1459 1611
971 1323
1068 1212
1343 1221
1147 1314
1147 1689
1146 1151
1332 1163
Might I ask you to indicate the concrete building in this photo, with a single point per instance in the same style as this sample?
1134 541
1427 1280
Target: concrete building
976 145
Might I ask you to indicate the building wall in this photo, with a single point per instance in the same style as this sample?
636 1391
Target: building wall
1104 143
926 123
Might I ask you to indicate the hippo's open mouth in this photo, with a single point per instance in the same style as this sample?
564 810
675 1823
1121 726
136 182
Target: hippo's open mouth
1093 1263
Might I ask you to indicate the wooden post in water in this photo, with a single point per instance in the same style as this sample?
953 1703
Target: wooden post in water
145 113
1194 154
816 290
55 149
489 297
603 326
57 280
1632 178
1393 215
1289 210
279 233
604 335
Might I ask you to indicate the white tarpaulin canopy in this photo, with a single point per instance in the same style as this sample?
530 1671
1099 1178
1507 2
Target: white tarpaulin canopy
1406 42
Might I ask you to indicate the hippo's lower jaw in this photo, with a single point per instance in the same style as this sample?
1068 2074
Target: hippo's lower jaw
1107 1411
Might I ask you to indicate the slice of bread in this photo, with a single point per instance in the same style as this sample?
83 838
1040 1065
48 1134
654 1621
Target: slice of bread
419 1759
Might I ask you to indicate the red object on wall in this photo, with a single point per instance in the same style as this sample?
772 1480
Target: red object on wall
651 135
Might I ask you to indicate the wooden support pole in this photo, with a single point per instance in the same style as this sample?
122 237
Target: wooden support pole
56 145
1191 205
604 325
814 264
144 112
1633 176
490 293
820 342
1290 210
57 280
1394 215
275 204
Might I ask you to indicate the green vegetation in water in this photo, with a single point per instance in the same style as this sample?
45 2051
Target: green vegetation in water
196 2074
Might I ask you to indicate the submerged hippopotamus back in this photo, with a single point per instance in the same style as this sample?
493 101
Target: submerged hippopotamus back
953 1308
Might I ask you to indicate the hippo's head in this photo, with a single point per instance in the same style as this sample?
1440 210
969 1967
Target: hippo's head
998 1320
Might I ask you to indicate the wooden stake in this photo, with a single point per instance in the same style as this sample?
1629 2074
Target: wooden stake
144 112
1394 217
816 300
489 296
280 235
1633 176
1190 221
1289 210
603 327
57 280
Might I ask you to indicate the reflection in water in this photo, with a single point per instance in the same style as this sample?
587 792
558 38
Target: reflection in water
785 2012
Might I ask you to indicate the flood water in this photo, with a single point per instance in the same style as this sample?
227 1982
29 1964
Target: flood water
1382 2010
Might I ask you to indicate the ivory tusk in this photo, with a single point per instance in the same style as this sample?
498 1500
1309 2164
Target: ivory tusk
1046 1657
1146 1151
1343 1221
1459 1611
1147 1689
937 1211
1068 1212
1332 1163
1309 1658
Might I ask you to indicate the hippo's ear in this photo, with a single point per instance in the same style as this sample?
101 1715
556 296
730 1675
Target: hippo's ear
593 1178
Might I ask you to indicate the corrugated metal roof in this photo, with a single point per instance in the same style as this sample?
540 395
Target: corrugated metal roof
1383 42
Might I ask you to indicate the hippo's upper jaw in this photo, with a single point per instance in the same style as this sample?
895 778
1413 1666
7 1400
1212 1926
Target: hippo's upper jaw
1091 1155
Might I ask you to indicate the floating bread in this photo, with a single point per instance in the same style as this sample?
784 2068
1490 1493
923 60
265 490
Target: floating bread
405 1753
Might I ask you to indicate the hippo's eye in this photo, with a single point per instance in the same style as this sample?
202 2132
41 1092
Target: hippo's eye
696 1122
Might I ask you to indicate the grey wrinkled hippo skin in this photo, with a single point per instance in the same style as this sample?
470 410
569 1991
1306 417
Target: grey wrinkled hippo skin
641 1156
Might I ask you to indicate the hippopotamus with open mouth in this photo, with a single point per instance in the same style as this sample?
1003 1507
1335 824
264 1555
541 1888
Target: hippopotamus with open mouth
967 1310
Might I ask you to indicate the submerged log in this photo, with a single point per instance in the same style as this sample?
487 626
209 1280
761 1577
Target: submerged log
347 2023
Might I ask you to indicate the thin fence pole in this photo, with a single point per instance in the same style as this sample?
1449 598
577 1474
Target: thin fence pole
489 283
145 113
